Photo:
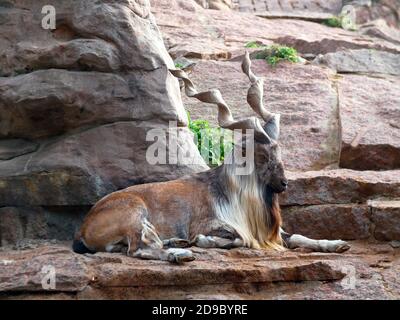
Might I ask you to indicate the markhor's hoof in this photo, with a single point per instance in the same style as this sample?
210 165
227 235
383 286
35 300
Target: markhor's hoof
180 256
342 248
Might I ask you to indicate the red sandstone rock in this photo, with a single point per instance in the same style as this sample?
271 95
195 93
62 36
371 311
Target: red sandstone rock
302 94
76 102
340 187
223 34
370 117
346 222
369 269
386 218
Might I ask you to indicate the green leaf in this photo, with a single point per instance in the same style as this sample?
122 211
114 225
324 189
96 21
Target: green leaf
212 143
334 22
252 44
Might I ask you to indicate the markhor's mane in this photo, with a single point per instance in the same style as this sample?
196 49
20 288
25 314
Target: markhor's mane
251 208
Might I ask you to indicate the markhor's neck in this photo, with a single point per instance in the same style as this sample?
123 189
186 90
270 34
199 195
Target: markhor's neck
220 181
246 204
249 188
227 175
270 197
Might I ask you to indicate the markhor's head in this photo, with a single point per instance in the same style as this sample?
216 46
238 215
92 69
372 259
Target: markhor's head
267 158
259 156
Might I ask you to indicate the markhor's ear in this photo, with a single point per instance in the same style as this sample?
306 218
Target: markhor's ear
272 127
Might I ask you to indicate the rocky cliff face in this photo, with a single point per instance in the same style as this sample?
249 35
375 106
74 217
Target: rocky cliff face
75 106
329 118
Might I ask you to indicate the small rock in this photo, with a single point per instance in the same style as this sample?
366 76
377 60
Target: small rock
395 244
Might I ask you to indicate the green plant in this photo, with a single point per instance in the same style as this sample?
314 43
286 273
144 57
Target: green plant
279 53
178 65
334 22
343 21
254 44
212 143
274 53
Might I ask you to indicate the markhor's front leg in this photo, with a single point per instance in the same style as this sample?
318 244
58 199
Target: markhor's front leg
203 241
293 241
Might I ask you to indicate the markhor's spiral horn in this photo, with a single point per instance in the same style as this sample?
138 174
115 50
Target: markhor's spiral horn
256 91
225 118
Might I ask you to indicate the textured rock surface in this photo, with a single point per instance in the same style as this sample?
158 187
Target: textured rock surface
114 31
22 271
80 168
340 187
369 271
11 148
220 4
370 116
387 10
364 10
302 15
52 102
361 61
222 35
386 217
302 94
115 270
305 6
347 222
380 29
365 123
77 102
334 204
20 223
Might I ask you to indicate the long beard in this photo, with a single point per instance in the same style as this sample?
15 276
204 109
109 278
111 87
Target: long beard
271 200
